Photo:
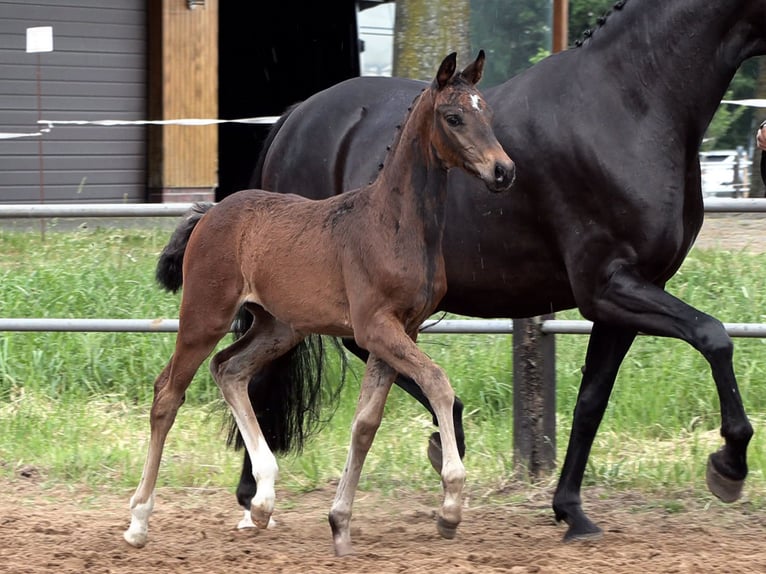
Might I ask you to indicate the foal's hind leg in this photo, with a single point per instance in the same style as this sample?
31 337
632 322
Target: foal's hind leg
232 368
377 381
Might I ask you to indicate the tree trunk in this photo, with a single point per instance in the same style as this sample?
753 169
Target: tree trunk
425 32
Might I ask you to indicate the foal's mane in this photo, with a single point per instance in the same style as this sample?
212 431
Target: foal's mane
398 134
600 21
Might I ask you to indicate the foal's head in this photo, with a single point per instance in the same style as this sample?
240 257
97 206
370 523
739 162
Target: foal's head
462 134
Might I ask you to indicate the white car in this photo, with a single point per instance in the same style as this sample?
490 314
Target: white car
725 173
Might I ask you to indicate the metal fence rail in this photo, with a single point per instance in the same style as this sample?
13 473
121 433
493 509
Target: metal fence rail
430 327
87 210
457 326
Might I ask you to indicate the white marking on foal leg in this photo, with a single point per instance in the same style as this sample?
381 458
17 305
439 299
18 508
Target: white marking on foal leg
265 471
138 531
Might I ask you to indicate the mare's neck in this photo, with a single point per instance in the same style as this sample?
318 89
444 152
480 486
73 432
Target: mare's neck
678 57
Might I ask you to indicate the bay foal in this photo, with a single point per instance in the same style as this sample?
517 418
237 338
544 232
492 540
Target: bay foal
366 264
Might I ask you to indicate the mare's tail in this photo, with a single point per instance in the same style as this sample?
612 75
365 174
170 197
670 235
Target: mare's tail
290 396
256 178
169 272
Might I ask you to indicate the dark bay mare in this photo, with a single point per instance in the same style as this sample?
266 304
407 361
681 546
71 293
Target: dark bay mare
366 264
606 206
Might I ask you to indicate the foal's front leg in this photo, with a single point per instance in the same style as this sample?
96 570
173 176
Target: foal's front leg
376 384
384 337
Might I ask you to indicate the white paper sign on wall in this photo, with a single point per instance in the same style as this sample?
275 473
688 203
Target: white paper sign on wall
40 39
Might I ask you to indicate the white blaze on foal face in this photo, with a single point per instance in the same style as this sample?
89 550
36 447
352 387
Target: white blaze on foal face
475 102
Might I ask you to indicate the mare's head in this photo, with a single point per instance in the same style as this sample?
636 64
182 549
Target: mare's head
462 134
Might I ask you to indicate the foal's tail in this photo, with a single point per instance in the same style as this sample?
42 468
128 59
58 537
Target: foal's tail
169 272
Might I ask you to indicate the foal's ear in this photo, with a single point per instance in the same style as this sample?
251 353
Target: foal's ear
473 71
446 71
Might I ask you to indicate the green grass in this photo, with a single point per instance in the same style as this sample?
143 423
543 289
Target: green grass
74 406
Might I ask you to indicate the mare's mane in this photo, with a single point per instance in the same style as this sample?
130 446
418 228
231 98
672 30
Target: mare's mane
600 21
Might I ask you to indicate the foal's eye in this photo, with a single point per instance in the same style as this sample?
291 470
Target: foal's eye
454 120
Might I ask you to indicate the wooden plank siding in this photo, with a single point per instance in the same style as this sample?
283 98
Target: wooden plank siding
183 81
96 71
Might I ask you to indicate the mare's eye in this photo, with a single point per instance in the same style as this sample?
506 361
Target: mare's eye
454 120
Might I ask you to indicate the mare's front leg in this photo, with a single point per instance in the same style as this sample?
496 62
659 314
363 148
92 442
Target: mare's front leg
410 387
627 299
376 383
607 347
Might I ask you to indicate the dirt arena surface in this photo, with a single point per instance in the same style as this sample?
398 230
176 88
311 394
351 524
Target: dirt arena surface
194 531
72 530
734 232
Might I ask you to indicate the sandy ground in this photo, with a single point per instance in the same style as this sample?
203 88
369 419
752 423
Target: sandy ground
72 530
734 232
194 531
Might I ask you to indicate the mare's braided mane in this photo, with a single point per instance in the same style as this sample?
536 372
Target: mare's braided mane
600 21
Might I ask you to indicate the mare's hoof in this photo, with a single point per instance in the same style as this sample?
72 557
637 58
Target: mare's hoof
581 536
446 529
581 527
435 452
726 489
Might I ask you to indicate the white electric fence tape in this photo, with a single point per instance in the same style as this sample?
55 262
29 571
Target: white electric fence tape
263 120
50 124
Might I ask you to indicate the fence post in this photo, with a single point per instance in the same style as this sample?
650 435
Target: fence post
534 397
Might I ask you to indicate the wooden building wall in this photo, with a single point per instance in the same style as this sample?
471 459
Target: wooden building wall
183 80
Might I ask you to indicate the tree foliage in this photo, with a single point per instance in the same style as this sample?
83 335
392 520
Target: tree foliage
517 33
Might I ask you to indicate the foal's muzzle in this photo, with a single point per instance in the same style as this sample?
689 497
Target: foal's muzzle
505 174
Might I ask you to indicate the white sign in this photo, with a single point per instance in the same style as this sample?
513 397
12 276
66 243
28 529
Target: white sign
40 39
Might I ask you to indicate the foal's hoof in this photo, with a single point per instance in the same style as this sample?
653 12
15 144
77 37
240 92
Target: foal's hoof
344 549
726 489
435 452
247 522
446 529
261 519
136 538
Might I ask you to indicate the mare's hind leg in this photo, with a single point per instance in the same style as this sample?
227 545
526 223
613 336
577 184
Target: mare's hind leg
195 340
266 339
376 383
411 388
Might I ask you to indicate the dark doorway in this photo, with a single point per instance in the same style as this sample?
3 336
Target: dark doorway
271 55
